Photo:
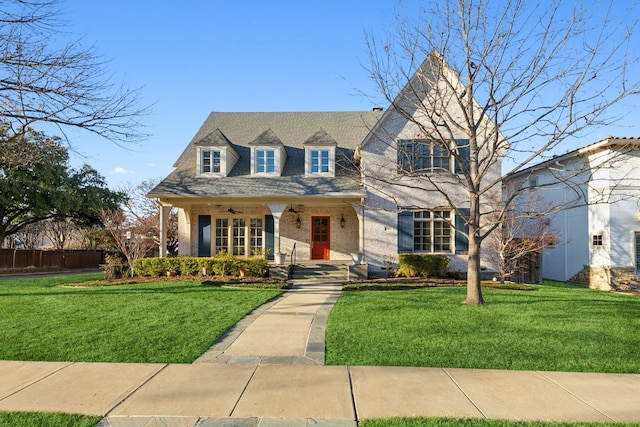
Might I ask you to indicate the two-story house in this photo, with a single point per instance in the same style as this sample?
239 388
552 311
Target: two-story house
596 192
323 183
252 183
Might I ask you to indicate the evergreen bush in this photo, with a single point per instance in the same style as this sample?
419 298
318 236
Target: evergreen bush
422 265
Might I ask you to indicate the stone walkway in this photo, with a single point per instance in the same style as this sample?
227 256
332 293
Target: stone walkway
289 330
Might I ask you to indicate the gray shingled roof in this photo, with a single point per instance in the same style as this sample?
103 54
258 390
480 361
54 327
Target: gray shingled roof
240 130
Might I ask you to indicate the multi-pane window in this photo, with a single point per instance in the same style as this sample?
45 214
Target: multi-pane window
265 161
210 161
320 161
222 235
421 156
255 235
597 240
432 231
239 236
417 156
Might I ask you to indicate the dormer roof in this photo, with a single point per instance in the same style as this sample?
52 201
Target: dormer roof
268 137
321 138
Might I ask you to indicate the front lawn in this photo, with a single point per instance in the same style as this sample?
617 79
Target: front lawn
157 322
553 328
46 419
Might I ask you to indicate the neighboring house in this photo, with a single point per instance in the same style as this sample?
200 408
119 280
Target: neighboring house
318 182
598 218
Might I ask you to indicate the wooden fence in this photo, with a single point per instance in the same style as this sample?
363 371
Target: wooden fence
25 258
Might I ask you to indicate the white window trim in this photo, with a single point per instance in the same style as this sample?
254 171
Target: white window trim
432 220
332 161
275 161
603 238
223 161
278 158
230 247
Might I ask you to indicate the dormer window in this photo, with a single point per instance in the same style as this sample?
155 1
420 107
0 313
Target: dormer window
210 161
268 154
265 161
319 161
320 155
216 156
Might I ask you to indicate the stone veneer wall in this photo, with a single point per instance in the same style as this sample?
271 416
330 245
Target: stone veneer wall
607 278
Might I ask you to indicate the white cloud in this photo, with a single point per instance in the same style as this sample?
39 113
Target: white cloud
151 165
122 171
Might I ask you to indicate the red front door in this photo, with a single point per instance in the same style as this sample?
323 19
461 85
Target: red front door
320 237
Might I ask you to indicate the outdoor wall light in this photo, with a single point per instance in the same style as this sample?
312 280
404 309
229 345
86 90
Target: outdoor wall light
298 222
342 221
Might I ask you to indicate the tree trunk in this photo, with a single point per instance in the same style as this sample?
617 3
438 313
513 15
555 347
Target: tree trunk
474 290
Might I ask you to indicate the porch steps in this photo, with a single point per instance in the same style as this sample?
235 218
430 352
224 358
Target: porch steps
334 271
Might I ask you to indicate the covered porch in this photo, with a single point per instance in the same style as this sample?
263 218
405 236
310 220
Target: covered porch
284 231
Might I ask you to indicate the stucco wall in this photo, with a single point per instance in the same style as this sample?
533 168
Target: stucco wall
610 185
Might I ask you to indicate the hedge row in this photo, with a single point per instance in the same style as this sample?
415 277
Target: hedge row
422 265
193 266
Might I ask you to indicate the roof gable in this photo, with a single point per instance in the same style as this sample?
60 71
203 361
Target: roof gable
321 137
268 137
433 71
215 138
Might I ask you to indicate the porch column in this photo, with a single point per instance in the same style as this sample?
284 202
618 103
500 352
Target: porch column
276 210
165 211
359 209
184 231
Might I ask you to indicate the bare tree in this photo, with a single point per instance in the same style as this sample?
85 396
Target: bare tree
134 227
30 236
146 209
61 232
133 237
44 79
521 234
542 72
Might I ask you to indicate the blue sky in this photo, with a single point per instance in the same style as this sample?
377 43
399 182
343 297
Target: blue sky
195 56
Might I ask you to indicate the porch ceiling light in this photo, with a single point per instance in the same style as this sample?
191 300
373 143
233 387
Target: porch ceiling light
342 221
298 222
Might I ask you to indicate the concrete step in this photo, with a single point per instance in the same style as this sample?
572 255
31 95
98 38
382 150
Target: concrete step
320 271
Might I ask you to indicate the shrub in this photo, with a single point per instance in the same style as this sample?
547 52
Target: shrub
422 265
173 264
222 265
190 266
114 268
150 266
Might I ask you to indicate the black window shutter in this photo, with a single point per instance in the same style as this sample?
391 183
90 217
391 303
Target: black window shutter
204 235
269 243
405 231
462 242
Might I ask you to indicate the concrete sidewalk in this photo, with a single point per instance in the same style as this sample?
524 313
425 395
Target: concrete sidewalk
299 395
268 372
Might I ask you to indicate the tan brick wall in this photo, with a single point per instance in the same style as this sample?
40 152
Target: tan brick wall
344 241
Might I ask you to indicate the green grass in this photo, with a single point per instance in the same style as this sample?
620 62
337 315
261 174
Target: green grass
554 328
46 419
162 322
469 422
